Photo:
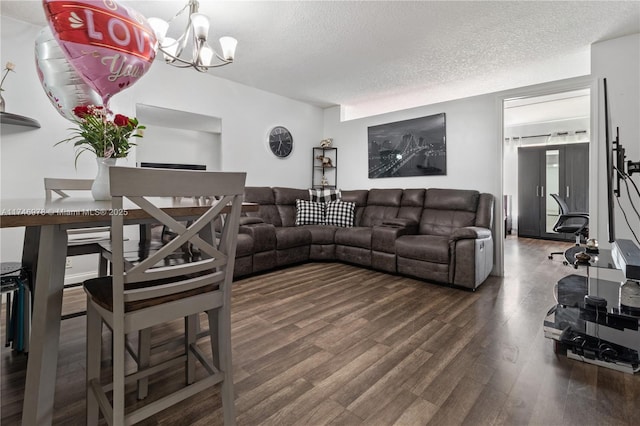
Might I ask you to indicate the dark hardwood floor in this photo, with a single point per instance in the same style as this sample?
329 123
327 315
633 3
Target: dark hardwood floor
336 344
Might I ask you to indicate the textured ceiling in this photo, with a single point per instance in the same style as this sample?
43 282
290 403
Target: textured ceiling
374 57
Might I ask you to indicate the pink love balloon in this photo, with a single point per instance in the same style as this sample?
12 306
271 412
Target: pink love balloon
60 81
111 46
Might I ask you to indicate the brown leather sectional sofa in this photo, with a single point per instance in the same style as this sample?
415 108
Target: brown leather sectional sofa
441 235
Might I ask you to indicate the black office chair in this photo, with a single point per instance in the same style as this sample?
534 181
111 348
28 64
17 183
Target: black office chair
576 223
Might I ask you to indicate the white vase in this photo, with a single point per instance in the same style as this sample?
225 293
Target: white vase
100 188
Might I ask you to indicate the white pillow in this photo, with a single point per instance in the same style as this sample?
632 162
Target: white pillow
340 213
309 213
324 195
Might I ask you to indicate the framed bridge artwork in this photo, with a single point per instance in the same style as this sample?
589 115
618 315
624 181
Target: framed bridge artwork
416 147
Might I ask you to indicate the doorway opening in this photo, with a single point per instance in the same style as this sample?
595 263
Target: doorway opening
546 151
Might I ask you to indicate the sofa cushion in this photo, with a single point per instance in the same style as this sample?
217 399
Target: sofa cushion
286 203
324 195
452 199
288 196
244 246
428 248
384 197
247 220
322 234
309 213
381 204
376 215
448 209
444 222
267 211
412 204
484 215
259 194
354 237
340 213
262 234
291 237
358 196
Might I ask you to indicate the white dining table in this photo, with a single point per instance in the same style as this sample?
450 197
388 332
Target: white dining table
44 253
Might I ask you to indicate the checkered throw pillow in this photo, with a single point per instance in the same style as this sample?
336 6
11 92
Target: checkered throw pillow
340 213
324 195
309 213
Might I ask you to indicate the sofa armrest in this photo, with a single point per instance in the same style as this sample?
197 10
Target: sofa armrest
471 256
383 237
400 221
410 225
250 220
470 232
263 234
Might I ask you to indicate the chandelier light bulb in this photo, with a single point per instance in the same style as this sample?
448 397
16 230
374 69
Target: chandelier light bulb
228 45
205 56
200 24
159 27
170 47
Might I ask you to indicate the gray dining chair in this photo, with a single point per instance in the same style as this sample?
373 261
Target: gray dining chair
152 292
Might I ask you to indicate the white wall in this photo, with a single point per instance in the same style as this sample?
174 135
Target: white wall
618 61
472 159
181 146
247 115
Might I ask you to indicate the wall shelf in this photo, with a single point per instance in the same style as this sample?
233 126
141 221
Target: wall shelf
324 176
18 120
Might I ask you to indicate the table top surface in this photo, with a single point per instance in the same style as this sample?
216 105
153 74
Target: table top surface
598 259
74 210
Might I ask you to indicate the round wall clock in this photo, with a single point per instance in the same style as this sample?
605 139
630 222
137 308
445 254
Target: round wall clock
280 141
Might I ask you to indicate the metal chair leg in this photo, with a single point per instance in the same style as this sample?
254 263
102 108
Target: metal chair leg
7 324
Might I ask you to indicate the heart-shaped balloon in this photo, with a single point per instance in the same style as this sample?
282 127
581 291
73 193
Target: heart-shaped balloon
110 45
59 79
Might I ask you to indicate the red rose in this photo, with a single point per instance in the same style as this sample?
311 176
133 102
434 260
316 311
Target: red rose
81 111
121 120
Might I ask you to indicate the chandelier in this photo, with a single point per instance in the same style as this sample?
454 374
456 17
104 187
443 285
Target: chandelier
195 36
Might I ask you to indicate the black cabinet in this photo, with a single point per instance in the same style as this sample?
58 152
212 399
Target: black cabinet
529 199
545 170
325 168
576 177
